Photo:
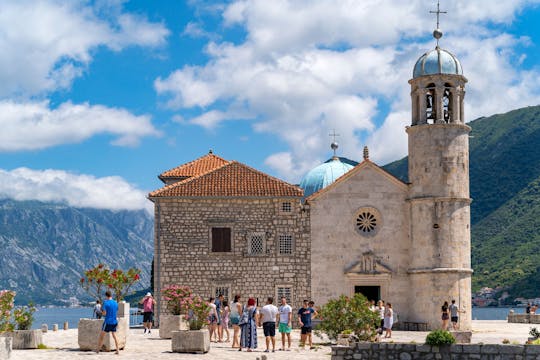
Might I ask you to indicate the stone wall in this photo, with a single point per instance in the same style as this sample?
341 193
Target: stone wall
523 318
183 247
390 351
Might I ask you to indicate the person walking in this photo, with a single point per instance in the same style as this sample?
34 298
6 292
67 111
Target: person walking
454 315
236 310
219 310
445 315
380 309
285 323
148 303
248 326
212 319
305 314
269 314
388 320
97 310
225 319
110 309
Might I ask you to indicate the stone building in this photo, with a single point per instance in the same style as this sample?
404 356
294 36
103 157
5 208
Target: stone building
224 227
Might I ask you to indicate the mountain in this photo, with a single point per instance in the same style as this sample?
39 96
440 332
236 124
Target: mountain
505 188
45 248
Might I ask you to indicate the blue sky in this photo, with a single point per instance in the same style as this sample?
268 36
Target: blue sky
99 97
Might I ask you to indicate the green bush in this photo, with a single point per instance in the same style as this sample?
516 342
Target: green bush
440 337
348 313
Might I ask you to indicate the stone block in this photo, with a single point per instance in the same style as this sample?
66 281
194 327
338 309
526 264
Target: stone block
462 337
5 347
88 331
190 341
490 349
532 349
511 349
24 339
170 323
44 328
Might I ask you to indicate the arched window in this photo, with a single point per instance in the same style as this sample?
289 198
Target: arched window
431 108
447 103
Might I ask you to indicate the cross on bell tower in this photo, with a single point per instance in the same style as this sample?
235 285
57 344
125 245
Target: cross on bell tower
437 33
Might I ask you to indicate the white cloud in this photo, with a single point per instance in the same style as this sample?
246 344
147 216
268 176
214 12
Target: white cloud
46 44
77 190
33 125
307 67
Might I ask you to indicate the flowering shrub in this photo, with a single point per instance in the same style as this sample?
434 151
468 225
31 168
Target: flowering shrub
119 281
7 298
349 313
24 316
178 298
197 312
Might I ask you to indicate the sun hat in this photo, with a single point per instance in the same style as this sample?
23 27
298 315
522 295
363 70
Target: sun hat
148 294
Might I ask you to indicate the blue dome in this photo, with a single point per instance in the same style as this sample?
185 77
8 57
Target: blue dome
437 61
325 174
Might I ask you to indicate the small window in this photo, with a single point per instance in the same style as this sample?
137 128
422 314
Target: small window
286 207
222 290
256 244
285 244
221 239
282 291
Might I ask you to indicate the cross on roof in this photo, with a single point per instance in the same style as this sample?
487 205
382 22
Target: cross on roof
334 144
438 12
333 134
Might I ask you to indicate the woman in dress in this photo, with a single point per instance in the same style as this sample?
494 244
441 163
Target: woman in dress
212 319
236 310
248 326
225 319
445 315
388 320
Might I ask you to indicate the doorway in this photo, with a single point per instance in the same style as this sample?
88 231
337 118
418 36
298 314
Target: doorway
371 292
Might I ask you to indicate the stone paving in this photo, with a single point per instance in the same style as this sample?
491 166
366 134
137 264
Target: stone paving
140 346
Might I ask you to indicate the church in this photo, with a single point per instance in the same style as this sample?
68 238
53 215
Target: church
222 227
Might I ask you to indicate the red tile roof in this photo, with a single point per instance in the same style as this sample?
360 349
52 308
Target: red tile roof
196 167
231 179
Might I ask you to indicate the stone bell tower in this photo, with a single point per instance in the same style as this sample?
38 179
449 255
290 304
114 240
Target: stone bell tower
440 265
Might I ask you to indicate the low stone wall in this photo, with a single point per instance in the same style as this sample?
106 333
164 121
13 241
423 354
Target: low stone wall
392 351
524 318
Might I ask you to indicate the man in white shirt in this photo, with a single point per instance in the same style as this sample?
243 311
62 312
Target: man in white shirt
285 322
269 315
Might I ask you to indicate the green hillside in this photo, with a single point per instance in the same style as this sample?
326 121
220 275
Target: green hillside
505 188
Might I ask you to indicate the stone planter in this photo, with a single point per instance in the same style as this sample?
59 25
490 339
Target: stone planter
191 341
170 323
88 334
25 339
5 347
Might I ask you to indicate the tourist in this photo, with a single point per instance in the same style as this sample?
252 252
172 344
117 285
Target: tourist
454 318
528 308
269 314
380 309
225 319
148 303
305 315
212 319
445 315
248 326
372 306
388 320
534 307
285 323
236 310
110 309
219 309
97 309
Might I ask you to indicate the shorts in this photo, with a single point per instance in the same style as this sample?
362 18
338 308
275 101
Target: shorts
306 330
454 319
109 327
444 317
212 319
269 328
284 328
235 319
148 316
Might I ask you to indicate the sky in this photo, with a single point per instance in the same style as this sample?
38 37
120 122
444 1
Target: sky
99 97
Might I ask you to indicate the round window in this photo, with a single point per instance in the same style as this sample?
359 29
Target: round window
367 221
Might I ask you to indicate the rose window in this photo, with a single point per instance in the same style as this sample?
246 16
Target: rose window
367 221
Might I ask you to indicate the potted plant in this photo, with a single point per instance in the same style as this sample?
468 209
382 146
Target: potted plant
194 340
19 328
94 281
177 298
350 316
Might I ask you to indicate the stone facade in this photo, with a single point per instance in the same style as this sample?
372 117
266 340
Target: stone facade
388 351
183 247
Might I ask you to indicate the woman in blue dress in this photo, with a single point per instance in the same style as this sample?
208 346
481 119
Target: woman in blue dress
248 326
